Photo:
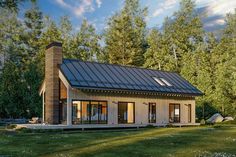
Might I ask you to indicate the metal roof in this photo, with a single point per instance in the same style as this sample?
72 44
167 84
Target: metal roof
93 75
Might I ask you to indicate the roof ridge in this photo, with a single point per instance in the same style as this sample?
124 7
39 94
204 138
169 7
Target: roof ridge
126 66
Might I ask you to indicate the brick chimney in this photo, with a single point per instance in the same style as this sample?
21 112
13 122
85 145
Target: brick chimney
53 58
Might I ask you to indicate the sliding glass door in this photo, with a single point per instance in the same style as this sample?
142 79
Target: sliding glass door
89 112
174 113
126 112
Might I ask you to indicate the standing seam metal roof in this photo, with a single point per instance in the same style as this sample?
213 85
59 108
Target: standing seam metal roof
93 75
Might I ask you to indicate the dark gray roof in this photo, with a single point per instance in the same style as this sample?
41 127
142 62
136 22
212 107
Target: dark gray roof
92 75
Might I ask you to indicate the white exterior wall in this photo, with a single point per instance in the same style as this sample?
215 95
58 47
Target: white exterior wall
141 106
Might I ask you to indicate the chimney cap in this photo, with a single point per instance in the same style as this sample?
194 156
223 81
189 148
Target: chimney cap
54 43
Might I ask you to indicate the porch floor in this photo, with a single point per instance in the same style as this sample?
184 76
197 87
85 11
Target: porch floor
97 126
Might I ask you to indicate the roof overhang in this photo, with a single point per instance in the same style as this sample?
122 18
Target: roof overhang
136 92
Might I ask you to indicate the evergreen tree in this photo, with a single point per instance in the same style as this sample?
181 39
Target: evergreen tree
224 59
156 56
66 35
31 73
119 40
11 45
85 44
183 32
125 36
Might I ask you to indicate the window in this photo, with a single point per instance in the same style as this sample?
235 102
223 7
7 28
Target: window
189 113
152 113
126 112
89 112
162 81
174 113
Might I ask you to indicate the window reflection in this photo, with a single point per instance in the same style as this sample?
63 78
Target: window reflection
89 112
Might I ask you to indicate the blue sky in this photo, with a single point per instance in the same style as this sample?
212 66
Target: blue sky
98 11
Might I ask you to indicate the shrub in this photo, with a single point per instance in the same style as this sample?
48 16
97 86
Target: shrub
202 122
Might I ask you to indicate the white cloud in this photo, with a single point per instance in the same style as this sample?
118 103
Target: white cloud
99 3
219 7
78 8
215 23
167 4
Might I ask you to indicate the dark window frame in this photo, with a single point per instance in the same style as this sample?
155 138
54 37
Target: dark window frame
81 121
118 112
149 111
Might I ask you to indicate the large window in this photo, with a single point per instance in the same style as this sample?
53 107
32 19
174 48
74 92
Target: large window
152 113
174 113
89 112
126 112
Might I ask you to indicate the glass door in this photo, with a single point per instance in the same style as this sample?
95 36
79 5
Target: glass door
125 112
152 113
174 113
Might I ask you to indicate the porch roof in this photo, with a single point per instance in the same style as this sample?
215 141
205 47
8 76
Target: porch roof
101 76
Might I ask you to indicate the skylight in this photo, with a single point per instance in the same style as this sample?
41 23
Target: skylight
166 82
159 81
162 81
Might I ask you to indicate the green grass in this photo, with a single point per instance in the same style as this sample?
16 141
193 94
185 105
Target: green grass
151 142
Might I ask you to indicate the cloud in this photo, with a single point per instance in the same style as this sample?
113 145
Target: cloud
219 7
79 8
167 4
215 12
99 3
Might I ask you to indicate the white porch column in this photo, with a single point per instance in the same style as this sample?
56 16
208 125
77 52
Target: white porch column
69 107
43 108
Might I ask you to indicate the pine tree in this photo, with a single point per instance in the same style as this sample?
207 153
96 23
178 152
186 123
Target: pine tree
119 40
66 35
31 72
156 56
224 59
125 36
183 32
11 45
85 44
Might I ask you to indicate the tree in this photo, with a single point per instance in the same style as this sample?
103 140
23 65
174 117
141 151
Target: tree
12 5
65 29
85 44
183 42
31 73
11 45
224 59
125 36
156 56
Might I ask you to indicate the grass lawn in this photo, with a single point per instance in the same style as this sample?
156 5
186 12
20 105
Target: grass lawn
189 141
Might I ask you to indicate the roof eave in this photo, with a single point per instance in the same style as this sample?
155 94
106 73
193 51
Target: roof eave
139 91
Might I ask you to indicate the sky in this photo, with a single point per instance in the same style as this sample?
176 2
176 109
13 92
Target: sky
97 12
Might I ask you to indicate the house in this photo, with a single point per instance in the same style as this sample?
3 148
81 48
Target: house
76 92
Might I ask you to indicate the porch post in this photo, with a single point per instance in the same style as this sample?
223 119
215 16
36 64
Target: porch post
69 107
43 108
